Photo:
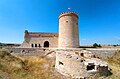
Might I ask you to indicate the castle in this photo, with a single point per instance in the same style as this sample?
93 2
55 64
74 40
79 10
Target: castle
39 40
70 59
68 36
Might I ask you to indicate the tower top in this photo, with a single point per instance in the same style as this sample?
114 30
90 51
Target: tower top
68 14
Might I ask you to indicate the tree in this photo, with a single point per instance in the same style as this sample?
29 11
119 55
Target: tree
99 45
1 44
96 45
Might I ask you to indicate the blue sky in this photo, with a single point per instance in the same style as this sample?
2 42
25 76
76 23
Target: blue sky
99 20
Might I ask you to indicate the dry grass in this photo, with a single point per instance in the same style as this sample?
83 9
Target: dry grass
114 64
27 67
14 67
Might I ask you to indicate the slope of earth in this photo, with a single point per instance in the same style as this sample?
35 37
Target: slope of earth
15 67
114 64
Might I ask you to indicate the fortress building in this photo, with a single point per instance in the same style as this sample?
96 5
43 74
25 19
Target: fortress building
68 36
70 60
68 30
40 40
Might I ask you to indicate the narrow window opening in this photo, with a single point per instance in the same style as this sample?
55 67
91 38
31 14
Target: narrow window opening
35 45
39 45
66 21
32 45
61 64
90 67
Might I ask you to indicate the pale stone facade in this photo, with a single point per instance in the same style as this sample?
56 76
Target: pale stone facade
68 30
40 40
79 64
68 36
70 60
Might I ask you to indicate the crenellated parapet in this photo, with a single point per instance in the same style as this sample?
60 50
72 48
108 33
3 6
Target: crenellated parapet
26 34
39 34
68 14
68 30
39 39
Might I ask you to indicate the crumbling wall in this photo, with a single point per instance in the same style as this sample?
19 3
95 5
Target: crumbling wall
30 51
78 64
70 64
103 53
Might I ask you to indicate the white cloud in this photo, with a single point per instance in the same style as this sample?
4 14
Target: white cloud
84 39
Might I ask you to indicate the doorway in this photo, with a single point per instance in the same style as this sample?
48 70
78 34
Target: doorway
46 44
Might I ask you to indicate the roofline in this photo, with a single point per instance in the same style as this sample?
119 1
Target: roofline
41 33
68 14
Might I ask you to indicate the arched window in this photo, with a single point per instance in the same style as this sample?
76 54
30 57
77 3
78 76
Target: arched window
35 45
32 45
39 45
46 44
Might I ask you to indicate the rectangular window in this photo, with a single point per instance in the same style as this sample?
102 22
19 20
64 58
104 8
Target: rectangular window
90 67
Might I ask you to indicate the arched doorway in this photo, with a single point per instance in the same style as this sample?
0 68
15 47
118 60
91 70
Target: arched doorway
46 44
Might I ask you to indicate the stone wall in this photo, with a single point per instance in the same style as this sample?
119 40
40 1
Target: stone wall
40 40
103 53
69 64
76 64
31 51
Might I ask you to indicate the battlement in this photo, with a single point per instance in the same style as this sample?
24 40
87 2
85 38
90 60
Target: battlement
68 14
40 34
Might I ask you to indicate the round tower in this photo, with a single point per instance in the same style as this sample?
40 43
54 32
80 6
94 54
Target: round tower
68 30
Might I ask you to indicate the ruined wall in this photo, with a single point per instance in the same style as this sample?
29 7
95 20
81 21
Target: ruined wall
77 64
68 30
103 53
70 64
31 51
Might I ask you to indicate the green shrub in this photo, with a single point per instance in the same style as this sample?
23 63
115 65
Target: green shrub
96 45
